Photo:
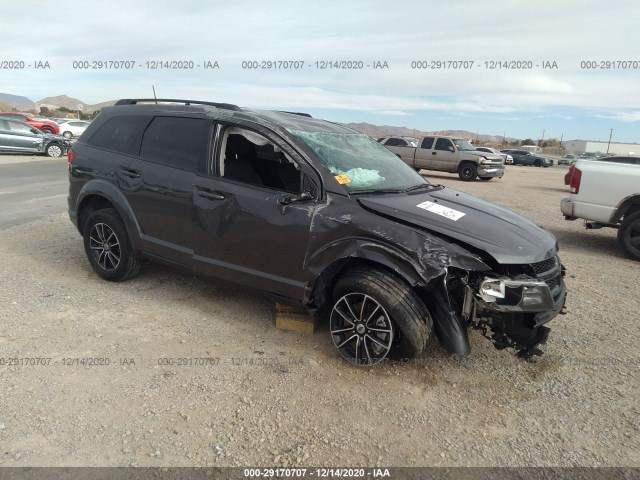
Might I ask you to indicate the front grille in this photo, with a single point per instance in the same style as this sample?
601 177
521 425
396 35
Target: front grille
544 266
553 283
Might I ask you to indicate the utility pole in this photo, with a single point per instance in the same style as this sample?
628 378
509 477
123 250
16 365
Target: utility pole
542 141
504 138
609 144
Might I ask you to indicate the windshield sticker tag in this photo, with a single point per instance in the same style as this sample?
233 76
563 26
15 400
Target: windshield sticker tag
342 179
447 212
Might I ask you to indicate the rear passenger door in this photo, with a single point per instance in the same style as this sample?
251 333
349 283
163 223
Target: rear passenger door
425 153
159 184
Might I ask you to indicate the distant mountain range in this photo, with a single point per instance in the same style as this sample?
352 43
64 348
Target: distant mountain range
24 103
375 131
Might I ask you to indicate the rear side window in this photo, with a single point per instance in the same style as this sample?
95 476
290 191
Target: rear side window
176 142
120 134
427 142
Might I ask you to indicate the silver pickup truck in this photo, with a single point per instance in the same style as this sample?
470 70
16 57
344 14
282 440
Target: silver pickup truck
606 193
448 154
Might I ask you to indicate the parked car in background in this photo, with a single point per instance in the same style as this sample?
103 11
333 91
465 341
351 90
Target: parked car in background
401 146
567 159
627 159
451 155
315 214
73 128
47 126
508 159
525 157
19 137
606 193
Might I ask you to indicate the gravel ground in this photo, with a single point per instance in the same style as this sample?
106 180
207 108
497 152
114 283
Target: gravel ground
280 398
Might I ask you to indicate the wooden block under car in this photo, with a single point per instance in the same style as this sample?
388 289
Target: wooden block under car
294 319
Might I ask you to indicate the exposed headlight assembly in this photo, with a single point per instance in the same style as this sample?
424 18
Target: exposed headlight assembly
518 294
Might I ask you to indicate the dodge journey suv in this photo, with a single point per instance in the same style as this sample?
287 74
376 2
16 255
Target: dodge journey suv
314 214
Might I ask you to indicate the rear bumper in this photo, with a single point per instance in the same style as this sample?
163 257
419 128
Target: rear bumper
567 207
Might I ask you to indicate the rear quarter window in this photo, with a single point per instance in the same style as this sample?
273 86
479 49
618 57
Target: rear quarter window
120 134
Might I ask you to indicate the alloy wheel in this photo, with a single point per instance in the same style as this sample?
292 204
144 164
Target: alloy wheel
361 329
105 246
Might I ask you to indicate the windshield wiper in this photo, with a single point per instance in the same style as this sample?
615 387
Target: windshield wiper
375 190
430 186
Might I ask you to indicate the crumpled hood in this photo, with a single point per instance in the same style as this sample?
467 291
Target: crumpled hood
487 155
508 237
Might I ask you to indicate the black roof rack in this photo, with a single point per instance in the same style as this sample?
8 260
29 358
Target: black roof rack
297 113
135 101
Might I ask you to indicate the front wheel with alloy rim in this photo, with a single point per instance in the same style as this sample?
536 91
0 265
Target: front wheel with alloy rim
629 235
107 246
377 316
467 172
54 150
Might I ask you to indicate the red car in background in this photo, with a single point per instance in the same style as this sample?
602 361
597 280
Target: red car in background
45 126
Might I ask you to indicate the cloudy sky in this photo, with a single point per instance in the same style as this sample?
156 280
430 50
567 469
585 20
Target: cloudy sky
571 100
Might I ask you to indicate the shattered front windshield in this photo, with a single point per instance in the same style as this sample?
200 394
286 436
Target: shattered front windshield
359 162
463 145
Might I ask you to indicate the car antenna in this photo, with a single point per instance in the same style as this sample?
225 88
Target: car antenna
154 94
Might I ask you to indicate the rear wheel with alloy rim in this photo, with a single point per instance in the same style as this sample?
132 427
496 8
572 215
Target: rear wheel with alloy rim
377 316
107 246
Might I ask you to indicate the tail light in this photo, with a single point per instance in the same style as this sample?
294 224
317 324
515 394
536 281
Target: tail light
575 181
71 155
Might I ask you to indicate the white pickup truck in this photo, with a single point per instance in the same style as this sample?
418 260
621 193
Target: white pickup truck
606 193
446 154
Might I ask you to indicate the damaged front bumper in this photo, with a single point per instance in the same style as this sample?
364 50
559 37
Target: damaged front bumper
512 310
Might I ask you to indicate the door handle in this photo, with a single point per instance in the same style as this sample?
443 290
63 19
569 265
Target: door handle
128 172
434 153
210 195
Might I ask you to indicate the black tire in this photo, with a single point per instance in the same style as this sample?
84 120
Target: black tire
108 247
54 150
410 320
486 179
537 163
467 172
629 235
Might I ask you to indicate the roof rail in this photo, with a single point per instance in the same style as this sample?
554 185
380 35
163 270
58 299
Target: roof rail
135 101
297 113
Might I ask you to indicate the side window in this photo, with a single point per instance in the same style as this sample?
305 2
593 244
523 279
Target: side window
248 157
176 142
396 142
120 134
4 125
443 144
427 142
20 127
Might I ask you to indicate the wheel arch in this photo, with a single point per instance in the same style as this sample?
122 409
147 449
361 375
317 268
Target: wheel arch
95 197
628 205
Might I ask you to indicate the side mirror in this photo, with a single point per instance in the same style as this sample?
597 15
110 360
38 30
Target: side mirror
452 148
288 199
35 131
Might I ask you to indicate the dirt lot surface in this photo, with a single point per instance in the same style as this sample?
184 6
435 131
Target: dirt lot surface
272 397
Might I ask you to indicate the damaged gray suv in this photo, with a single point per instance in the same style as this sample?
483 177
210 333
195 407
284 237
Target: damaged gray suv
315 214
